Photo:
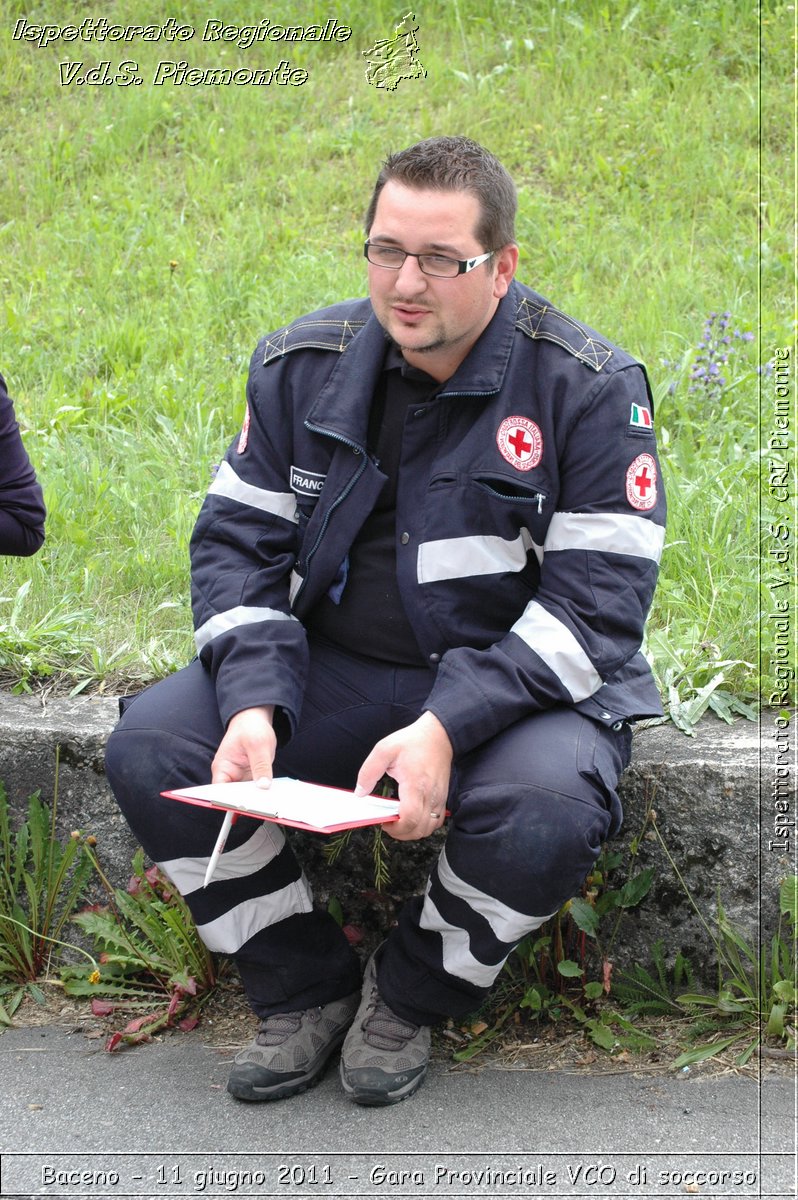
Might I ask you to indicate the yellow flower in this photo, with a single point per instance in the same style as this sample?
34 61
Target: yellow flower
94 977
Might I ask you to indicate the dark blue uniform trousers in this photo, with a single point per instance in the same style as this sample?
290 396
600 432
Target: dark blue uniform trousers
529 811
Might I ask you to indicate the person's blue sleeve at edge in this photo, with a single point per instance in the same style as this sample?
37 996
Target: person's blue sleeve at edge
22 511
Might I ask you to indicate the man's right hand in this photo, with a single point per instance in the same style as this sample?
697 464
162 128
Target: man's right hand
247 749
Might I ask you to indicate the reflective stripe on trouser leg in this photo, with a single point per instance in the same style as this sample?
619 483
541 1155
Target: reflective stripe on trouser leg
227 932
258 907
289 955
530 810
503 928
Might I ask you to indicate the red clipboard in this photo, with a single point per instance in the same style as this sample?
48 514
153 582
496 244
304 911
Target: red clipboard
293 802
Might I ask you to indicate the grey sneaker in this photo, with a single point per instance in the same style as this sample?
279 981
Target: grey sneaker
384 1059
290 1051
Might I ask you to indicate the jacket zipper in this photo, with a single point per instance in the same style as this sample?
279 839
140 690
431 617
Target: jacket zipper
338 500
539 496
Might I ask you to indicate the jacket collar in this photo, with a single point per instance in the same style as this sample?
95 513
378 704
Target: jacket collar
342 406
482 371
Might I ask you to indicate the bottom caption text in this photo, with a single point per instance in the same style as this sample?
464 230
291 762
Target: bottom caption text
351 1174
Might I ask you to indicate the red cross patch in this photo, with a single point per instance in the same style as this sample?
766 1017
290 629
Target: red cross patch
520 442
641 482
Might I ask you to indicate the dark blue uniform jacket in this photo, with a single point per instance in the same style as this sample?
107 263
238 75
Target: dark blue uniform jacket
529 525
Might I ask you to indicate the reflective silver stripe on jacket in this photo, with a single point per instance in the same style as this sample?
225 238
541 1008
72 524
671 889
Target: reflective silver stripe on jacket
482 554
294 585
232 487
560 651
610 533
488 554
223 622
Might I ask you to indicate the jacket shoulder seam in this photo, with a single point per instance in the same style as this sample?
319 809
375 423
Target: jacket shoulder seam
538 320
317 334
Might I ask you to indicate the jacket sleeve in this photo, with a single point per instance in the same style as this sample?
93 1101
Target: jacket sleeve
22 511
243 550
579 634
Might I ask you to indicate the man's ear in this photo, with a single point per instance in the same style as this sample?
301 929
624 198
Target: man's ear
504 267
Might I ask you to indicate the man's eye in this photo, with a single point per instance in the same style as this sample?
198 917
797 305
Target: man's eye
387 253
438 260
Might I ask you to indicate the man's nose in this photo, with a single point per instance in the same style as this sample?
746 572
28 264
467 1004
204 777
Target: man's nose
410 279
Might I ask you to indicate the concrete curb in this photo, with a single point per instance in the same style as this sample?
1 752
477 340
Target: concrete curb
725 803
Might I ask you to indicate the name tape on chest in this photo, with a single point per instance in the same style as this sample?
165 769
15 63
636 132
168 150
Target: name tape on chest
306 483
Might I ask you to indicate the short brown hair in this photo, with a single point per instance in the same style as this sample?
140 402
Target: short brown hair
456 164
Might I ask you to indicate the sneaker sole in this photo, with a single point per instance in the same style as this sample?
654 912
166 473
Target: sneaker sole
248 1089
373 1094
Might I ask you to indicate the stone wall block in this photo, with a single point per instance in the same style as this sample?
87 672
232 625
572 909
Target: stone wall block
713 812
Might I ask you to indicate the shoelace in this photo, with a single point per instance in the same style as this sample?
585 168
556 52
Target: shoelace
278 1027
383 1029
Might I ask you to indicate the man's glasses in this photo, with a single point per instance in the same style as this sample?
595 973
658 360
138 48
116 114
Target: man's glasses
392 258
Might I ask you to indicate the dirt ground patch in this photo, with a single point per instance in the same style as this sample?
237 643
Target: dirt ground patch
227 1024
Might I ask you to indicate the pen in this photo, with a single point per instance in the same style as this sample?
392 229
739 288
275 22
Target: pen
227 825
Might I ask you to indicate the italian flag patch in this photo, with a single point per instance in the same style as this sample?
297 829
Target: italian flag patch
640 417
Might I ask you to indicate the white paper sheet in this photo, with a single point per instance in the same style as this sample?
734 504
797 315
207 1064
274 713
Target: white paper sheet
293 801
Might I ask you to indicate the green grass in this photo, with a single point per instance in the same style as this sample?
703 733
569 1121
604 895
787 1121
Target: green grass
149 235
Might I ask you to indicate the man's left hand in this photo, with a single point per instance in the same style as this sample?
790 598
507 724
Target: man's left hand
419 758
